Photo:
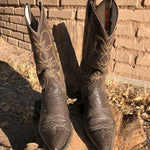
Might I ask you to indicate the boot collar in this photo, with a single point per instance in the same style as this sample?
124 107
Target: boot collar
97 19
29 18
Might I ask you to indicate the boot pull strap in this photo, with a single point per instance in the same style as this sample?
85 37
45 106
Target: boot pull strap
108 6
108 11
108 3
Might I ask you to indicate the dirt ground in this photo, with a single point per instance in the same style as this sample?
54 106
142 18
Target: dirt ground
19 89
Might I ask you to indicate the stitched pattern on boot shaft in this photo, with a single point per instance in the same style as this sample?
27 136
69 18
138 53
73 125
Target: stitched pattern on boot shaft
101 54
47 59
89 81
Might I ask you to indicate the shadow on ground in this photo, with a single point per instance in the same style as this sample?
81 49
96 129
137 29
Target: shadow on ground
16 108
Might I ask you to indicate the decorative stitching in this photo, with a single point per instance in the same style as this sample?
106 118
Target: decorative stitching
99 64
48 59
104 51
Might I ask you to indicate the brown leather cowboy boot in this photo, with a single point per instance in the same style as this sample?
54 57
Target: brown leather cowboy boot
54 125
98 39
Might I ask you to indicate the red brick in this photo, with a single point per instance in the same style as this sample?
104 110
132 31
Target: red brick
124 56
124 30
143 60
22 28
35 11
31 2
10 25
113 53
46 11
7 32
74 2
17 35
64 14
9 10
19 11
142 15
3 2
98 2
2 24
127 2
79 40
140 72
124 68
4 37
143 32
81 14
2 10
25 45
51 23
13 2
26 38
15 19
13 41
1 31
111 66
129 44
76 37
147 2
146 43
125 14
23 22
137 15
4 17
49 2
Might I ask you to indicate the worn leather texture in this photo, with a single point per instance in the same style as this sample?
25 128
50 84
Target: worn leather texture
54 125
98 119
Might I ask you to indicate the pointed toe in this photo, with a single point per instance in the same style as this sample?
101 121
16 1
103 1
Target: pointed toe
102 139
61 139
56 135
101 132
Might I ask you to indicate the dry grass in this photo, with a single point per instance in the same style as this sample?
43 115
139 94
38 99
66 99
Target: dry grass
131 99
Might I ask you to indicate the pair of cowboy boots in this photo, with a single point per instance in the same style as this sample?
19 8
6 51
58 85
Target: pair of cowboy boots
54 125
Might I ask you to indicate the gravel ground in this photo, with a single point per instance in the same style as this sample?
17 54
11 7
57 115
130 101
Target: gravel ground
19 89
131 99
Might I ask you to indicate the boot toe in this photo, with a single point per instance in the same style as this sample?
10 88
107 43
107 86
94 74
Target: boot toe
56 135
101 134
102 139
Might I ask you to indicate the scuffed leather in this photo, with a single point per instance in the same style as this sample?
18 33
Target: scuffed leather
54 125
98 119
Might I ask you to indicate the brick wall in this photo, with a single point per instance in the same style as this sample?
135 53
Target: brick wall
130 56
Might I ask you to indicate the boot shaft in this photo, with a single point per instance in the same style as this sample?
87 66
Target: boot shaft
98 40
48 65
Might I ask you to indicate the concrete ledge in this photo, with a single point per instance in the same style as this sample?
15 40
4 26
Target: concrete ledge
141 83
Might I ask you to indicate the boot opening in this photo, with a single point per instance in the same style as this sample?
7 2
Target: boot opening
33 23
27 14
40 6
100 10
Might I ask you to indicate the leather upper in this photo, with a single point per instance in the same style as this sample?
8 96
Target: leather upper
54 125
98 119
